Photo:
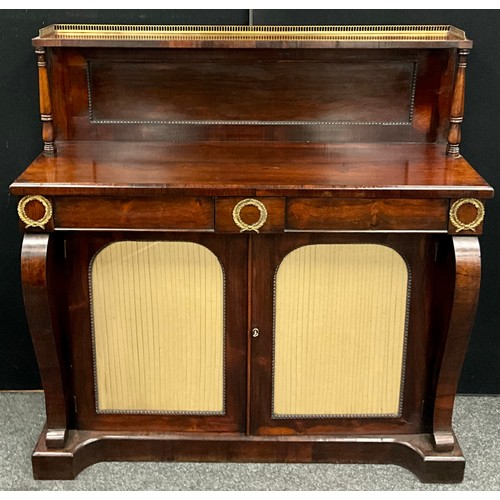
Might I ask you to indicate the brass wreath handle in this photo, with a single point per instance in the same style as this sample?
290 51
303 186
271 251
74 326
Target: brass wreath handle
471 226
243 225
28 221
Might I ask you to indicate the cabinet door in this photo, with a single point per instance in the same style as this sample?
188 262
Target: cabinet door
342 324
158 337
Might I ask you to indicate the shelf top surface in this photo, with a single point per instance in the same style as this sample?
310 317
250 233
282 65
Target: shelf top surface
251 168
251 36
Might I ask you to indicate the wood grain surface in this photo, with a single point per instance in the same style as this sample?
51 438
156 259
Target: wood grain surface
252 90
252 169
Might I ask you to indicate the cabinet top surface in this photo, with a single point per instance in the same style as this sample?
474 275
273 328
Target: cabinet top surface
251 168
178 36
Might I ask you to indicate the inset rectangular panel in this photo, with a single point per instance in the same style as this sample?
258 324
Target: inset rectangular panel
340 331
158 328
242 91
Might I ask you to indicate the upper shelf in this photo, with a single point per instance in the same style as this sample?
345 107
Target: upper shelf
369 36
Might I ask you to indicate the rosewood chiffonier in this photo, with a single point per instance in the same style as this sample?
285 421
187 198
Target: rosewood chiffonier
251 244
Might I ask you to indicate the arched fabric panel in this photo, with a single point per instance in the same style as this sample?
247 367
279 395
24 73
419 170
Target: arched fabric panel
158 328
340 331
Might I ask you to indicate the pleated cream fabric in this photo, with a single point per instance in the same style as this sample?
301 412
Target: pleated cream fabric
340 314
158 328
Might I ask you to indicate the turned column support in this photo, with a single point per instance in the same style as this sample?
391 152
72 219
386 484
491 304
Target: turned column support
457 107
37 263
46 116
467 258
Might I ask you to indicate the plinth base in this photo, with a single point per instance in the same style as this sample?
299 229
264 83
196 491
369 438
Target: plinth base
84 448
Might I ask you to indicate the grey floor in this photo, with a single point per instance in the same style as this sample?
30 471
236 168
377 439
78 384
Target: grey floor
477 425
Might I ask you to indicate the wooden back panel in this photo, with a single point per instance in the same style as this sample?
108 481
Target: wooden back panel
327 95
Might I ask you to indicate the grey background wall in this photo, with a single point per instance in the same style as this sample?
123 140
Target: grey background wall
20 142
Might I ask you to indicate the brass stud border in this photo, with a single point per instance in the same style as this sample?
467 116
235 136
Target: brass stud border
471 226
28 221
243 225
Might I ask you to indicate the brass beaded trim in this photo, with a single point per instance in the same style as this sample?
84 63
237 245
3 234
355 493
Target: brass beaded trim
471 226
28 221
243 225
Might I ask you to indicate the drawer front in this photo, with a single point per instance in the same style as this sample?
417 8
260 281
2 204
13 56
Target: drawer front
193 214
252 215
320 214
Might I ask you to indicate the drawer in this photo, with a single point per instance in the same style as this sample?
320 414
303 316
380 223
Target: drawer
320 214
262 215
195 214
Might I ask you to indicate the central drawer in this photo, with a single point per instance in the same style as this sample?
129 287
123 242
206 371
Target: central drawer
251 215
